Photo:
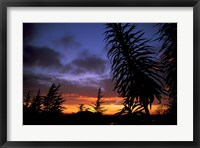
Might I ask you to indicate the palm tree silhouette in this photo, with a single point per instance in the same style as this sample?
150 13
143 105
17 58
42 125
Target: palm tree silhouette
135 71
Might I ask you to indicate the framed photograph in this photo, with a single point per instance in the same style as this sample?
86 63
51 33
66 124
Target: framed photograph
99 73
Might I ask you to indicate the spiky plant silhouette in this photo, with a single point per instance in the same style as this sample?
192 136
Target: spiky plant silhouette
135 71
135 108
97 106
168 35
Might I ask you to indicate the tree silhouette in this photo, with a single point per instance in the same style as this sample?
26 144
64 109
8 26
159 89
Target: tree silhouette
168 35
26 105
36 103
53 101
43 109
97 107
27 100
135 71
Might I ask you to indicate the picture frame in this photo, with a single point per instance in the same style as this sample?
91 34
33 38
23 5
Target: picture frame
97 3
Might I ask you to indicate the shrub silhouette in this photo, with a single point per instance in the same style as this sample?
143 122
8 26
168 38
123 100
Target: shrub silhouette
135 71
81 108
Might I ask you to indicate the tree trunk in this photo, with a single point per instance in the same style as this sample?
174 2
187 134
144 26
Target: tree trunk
147 111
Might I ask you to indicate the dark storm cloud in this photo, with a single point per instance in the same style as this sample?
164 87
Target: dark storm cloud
41 57
29 32
66 41
73 87
90 64
34 81
68 68
47 58
87 88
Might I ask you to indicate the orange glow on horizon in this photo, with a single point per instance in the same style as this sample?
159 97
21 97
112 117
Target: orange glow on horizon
111 104
111 109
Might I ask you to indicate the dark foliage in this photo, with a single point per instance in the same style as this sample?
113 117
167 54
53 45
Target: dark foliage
135 108
135 71
35 115
168 35
43 109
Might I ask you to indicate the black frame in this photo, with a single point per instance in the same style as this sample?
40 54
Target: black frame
97 3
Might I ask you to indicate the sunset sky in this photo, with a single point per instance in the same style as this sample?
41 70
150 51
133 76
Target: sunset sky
74 56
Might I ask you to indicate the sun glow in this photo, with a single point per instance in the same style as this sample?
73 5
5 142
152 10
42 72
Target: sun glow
111 105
